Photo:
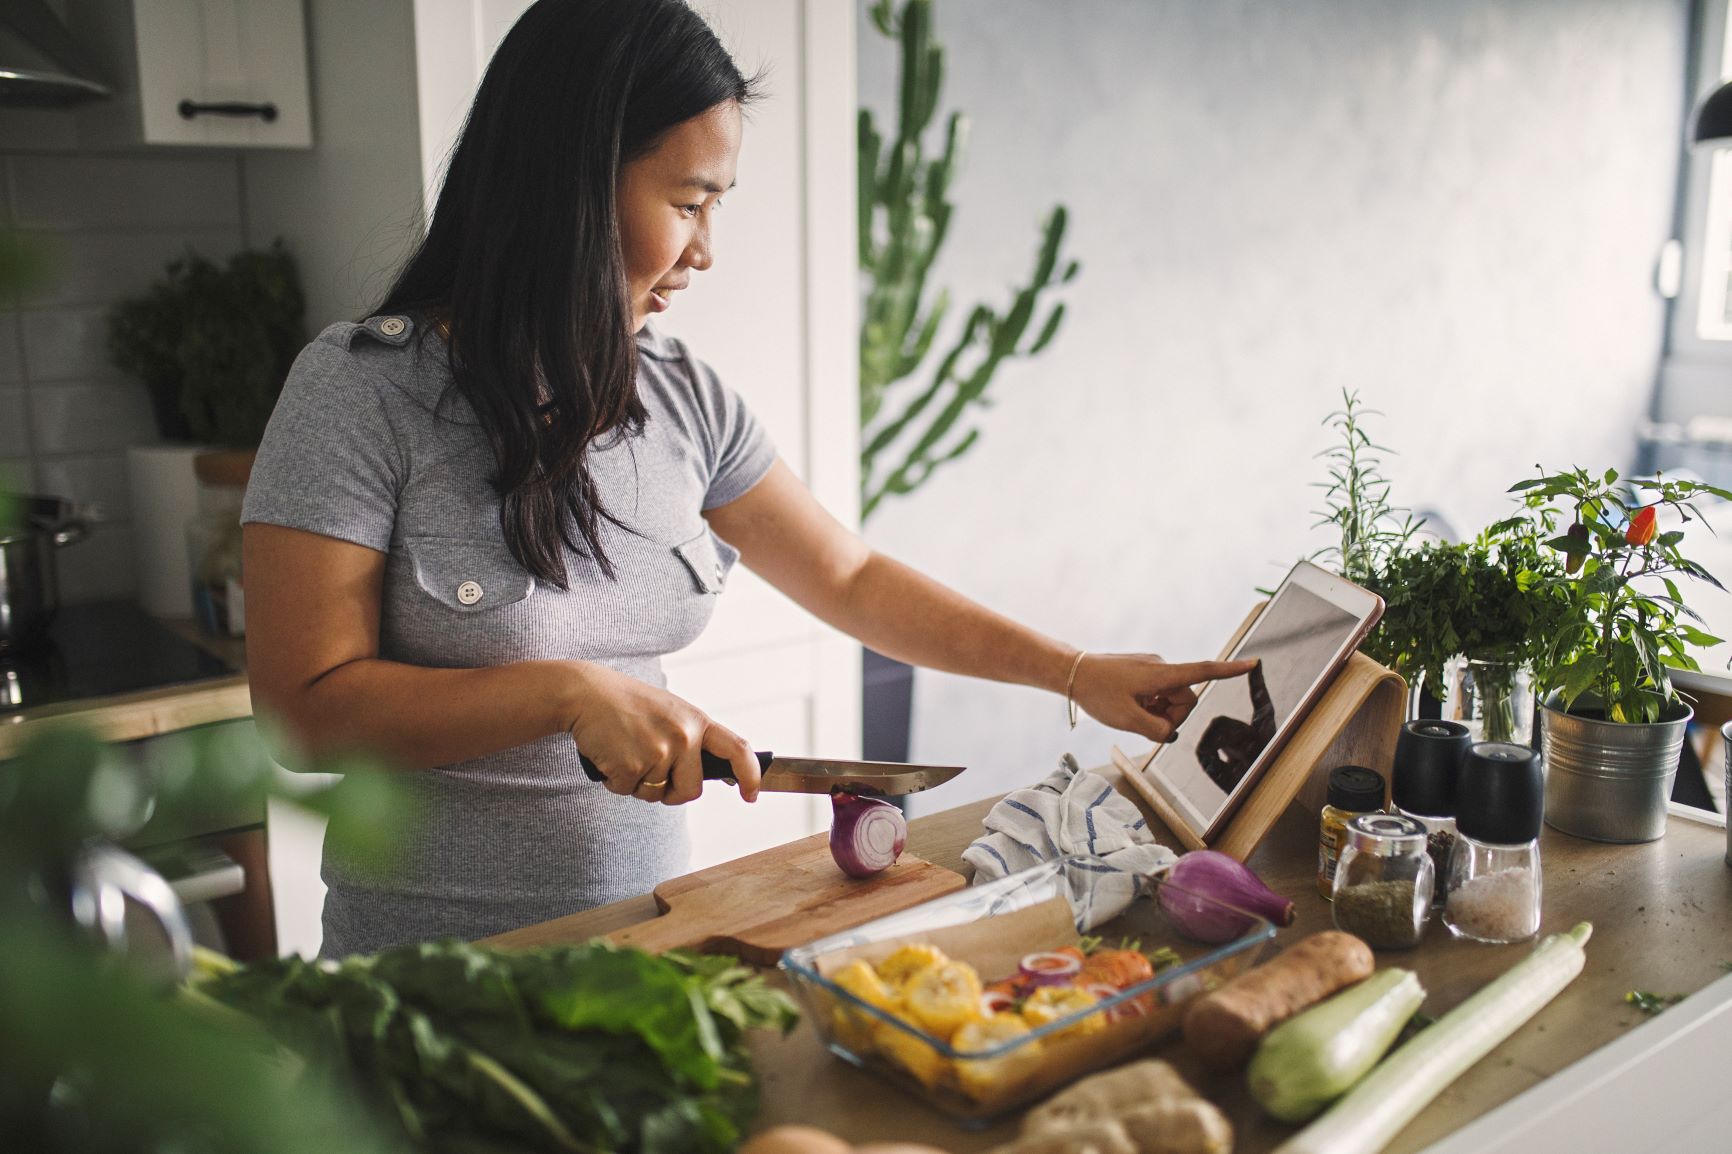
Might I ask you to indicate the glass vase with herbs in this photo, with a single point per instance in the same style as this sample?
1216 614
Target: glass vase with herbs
1467 620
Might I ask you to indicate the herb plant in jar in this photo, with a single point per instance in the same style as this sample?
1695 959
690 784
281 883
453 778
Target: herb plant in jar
1612 723
1468 620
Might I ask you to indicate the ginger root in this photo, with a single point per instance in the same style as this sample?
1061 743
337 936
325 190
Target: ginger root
1142 1108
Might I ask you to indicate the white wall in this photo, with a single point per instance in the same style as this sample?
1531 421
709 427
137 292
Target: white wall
1453 207
349 207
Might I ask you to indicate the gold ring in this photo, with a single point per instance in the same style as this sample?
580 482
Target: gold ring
662 784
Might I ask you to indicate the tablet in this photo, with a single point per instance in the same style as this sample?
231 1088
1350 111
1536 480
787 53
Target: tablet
1302 637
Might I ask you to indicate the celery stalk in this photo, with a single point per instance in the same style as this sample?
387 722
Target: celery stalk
1389 1097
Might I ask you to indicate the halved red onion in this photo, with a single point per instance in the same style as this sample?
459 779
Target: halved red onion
996 1001
866 834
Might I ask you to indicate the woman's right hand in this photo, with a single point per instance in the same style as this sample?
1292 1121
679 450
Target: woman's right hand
648 743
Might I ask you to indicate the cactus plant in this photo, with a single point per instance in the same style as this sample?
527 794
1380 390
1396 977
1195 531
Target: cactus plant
904 216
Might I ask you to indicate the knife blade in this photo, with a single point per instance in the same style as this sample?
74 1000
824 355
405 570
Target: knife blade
822 775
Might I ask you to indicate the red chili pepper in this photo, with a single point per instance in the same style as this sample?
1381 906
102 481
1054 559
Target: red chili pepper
1642 527
1574 558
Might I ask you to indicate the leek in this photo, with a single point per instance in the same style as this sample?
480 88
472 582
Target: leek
1377 1108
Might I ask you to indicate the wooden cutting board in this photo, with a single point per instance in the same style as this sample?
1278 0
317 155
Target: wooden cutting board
758 906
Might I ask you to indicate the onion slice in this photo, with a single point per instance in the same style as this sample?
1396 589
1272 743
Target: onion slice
994 1001
866 835
1202 878
1047 969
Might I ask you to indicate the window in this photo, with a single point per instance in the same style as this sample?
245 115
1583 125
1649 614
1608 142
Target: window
1714 312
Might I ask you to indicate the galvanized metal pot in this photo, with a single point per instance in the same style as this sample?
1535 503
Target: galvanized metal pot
1609 780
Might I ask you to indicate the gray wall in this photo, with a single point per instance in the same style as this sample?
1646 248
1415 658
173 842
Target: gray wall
1453 207
350 207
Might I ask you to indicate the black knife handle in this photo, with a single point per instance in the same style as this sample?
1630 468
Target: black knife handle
716 767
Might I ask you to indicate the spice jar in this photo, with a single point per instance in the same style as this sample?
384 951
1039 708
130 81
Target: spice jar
1428 757
1384 882
1353 790
1494 880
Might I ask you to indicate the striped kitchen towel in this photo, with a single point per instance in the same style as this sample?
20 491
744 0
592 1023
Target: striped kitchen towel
1074 811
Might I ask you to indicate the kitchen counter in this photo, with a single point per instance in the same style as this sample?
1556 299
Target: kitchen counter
1662 915
151 712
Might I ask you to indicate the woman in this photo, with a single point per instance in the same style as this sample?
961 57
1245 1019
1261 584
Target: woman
480 517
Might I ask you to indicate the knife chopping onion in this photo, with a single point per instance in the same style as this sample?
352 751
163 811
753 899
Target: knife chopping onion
866 835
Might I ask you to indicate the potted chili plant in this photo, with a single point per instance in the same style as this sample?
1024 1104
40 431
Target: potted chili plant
1612 724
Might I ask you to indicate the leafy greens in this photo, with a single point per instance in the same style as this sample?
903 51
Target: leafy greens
569 1049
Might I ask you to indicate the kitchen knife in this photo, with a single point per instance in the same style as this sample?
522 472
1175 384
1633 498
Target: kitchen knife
814 775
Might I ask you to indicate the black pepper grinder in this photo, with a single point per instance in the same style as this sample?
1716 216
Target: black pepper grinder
1428 757
1494 885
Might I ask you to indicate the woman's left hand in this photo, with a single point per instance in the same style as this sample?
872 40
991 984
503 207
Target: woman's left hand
1141 693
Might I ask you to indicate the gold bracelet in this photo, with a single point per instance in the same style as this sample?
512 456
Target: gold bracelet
1070 686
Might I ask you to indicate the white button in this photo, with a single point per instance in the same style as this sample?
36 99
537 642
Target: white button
469 593
393 327
719 571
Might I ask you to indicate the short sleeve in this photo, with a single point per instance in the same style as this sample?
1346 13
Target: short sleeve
329 462
741 451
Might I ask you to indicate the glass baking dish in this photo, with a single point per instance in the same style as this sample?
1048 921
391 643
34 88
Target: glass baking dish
992 927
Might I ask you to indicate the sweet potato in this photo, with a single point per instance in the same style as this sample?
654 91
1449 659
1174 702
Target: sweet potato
1225 1025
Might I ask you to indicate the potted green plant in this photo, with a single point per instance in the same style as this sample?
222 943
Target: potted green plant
212 344
1462 621
1612 723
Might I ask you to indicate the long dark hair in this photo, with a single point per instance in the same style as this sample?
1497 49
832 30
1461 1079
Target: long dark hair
522 259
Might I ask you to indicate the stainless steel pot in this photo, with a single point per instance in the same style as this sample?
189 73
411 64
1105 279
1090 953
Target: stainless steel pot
1608 780
31 529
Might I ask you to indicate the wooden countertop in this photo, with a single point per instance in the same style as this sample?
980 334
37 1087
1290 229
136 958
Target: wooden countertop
151 712
1662 915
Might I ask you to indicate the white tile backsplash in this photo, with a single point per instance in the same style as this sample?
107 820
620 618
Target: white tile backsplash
98 479
90 418
17 475
100 268
11 357
67 344
158 192
14 423
110 224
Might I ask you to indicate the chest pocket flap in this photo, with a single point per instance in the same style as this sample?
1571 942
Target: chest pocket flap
468 576
708 558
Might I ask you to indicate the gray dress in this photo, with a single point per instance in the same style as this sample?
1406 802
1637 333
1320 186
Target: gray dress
371 444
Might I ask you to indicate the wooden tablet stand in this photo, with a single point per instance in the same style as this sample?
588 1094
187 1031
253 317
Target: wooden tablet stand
1355 722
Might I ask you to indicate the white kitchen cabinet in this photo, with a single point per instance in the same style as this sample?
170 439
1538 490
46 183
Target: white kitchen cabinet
225 73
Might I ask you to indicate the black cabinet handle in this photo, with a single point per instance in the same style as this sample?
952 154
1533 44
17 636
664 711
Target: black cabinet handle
190 109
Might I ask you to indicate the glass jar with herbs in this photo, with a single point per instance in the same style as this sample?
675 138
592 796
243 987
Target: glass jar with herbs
1353 790
1384 881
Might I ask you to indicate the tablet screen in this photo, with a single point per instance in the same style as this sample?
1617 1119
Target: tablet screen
1297 638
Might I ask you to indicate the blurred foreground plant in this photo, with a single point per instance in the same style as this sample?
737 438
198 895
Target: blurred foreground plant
98 1054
